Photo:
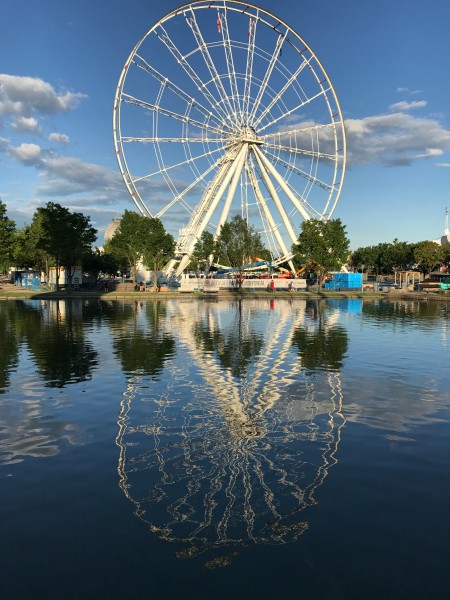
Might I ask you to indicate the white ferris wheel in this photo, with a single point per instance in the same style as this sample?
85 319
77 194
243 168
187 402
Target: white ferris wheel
223 109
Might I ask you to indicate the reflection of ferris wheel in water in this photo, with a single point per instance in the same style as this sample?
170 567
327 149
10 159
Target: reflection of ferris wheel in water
216 459
222 109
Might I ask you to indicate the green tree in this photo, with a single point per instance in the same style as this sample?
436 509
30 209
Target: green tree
140 238
364 259
158 247
325 242
446 252
7 238
429 256
27 252
403 255
384 257
66 237
237 245
96 262
203 250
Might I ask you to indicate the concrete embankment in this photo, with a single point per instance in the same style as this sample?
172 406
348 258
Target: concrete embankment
11 292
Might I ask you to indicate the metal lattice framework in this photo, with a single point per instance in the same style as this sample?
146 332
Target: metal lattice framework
223 109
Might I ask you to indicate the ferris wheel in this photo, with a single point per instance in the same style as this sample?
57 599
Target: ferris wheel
223 109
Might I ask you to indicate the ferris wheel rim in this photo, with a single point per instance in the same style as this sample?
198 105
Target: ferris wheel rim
337 121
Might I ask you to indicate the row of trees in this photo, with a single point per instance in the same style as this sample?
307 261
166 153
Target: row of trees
386 258
56 237
59 238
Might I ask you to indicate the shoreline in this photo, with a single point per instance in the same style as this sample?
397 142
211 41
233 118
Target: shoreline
14 293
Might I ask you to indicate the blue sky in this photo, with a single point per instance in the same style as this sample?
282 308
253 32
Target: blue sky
60 62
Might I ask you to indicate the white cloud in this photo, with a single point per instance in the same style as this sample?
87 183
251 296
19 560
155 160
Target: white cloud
429 152
25 124
24 96
4 144
445 165
28 154
402 106
60 138
406 89
394 139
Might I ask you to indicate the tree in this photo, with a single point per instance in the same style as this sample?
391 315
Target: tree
364 259
325 242
140 238
428 255
385 257
203 250
237 245
97 262
66 237
7 230
446 252
26 251
158 247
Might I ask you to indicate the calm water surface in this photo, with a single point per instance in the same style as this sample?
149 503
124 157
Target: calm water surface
257 449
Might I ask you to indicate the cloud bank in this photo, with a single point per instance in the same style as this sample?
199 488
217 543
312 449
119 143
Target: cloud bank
25 96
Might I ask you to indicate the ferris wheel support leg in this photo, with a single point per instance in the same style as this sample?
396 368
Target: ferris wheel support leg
237 173
281 182
199 228
276 199
268 214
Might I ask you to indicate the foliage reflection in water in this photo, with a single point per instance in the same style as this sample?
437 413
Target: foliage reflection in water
230 449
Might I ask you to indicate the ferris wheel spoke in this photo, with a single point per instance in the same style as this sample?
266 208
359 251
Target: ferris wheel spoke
182 140
293 150
191 186
249 66
155 108
263 86
294 76
322 92
190 71
223 21
165 81
224 98
298 130
165 169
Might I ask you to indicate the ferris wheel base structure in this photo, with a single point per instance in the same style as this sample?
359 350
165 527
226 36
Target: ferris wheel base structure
223 109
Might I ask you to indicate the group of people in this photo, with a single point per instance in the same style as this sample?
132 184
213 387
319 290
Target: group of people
271 286
139 287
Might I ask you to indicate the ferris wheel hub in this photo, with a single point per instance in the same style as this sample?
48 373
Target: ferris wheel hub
245 135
